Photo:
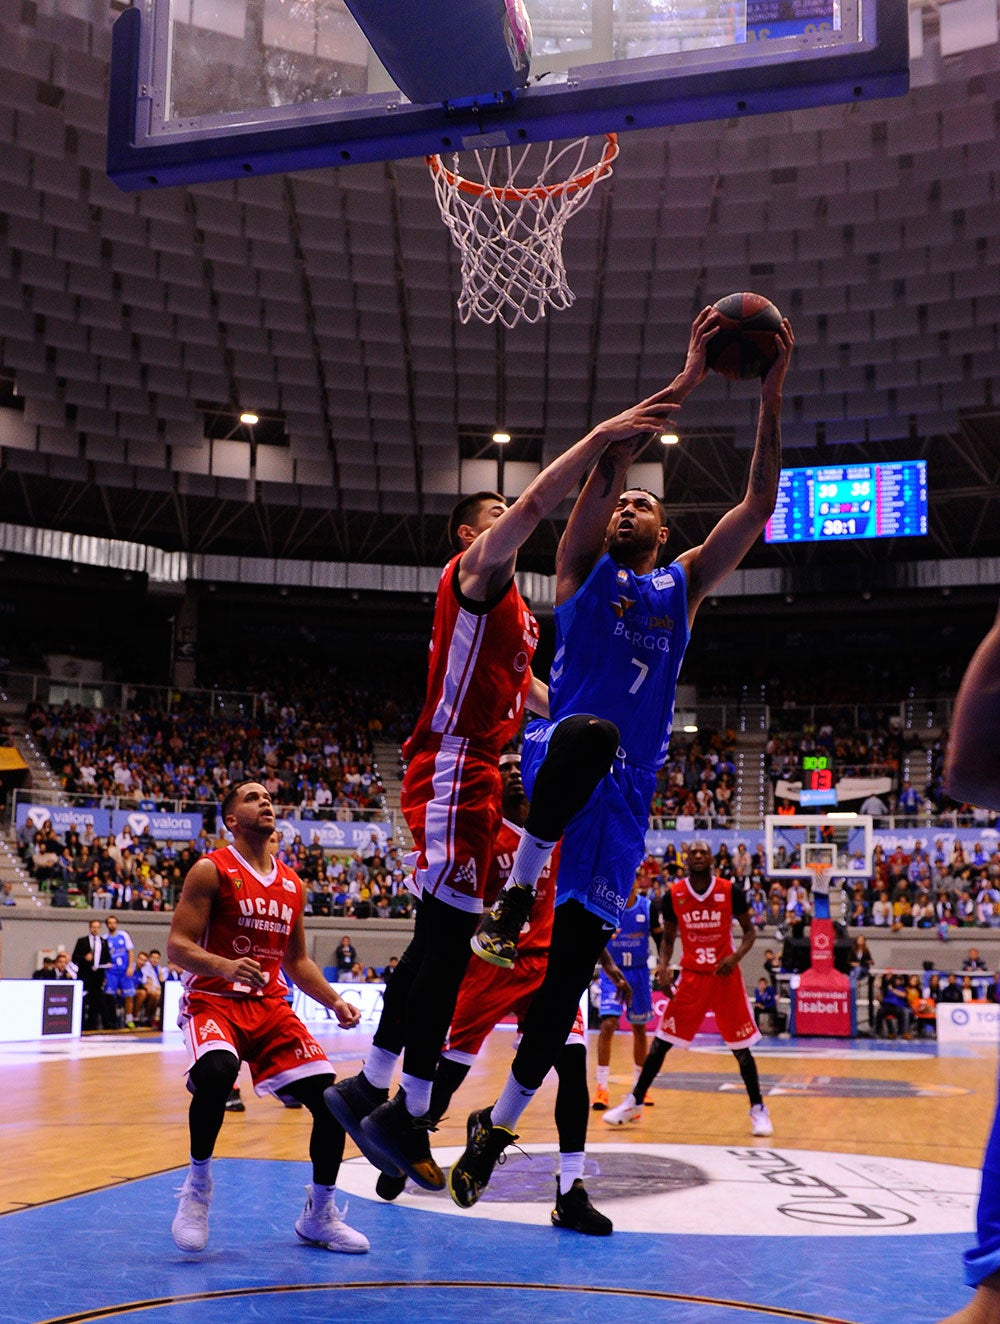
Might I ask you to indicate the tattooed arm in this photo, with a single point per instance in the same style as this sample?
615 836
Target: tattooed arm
737 531
586 531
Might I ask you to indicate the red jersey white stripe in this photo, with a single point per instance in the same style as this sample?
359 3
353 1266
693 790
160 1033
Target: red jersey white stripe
479 672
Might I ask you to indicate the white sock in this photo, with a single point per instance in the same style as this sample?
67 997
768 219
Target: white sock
418 1094
513 1100
379 1067
628 1099
530 859
570 1167
603 1075
201 1169
322 1196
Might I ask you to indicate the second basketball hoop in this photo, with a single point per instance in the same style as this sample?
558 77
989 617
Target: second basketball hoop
507 223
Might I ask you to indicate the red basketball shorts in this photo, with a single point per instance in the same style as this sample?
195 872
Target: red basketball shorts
263 1032
451 802
695 995
488 994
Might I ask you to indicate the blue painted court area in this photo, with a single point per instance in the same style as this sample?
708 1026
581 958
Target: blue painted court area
109 1255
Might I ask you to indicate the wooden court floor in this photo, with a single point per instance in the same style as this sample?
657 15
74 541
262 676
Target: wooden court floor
856 1211
116 1109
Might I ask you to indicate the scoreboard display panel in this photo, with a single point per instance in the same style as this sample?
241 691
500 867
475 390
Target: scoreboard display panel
834 503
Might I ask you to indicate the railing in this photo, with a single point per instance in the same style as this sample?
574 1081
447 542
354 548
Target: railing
909 716
743 718
207 808
31 687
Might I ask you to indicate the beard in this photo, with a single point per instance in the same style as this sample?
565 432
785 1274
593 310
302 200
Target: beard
631 544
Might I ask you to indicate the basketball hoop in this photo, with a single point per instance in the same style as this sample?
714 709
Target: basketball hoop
820 870
509 236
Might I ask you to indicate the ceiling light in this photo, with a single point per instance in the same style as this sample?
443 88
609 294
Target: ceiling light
249 418
669 438
501 438
690 728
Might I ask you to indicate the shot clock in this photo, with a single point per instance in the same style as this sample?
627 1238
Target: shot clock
817 772
834 503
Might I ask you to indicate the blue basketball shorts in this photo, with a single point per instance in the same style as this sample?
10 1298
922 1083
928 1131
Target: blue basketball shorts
605 842
640 1009
118 982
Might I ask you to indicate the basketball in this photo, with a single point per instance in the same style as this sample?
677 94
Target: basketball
744 345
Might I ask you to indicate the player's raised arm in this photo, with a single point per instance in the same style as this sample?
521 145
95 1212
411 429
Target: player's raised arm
972 760
725 547
538 697
488 562
583 540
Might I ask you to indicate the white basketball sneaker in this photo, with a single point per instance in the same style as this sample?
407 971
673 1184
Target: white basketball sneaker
627 1111
190 1225
760 1121
326 1227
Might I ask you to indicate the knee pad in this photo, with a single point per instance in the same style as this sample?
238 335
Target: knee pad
216 1072
583 736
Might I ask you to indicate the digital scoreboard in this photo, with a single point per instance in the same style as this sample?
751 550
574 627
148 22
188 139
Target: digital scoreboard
817 786
834 503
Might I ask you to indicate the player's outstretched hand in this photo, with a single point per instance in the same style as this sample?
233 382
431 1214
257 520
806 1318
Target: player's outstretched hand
703 328
632 426
772 381
348 1014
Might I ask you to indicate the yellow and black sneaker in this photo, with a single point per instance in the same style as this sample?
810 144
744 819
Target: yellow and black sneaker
485 1147
495 940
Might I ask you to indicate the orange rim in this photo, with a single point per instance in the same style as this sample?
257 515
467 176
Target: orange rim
510 194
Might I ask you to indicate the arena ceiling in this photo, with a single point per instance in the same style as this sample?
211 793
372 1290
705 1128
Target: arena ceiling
135 327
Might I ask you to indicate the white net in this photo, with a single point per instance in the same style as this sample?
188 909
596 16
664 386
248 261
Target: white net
510 235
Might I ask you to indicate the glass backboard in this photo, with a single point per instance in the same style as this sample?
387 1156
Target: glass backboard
796 845
219 89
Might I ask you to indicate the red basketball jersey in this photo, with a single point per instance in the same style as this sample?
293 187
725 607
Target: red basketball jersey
704 924
250 917
479 669
538 936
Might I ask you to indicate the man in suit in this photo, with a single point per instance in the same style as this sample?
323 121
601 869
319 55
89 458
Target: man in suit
91 957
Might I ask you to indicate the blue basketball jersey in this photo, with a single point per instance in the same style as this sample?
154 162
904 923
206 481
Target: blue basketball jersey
620 641
630 945
119 944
